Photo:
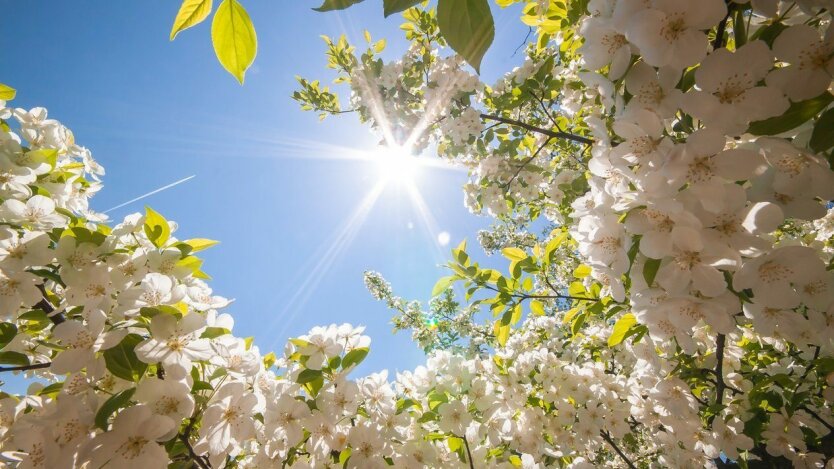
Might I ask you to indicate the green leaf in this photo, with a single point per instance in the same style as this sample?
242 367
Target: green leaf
537 308
823 136
156 227
7 332
390 7
212 332
14 358
191 13
468 28
650 270
121 360
621 327
354 357
111 405
581 271
442 284
307 375
796 115
198 244
330 5
501 332
514 254
7 93
454 443
234 39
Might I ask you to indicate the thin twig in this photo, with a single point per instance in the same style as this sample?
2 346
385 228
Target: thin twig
468 453
818 418
720 386
607 437
533 128
526 162
34 366
45 306
718 42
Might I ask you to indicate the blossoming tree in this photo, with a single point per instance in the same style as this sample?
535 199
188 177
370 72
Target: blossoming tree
678 311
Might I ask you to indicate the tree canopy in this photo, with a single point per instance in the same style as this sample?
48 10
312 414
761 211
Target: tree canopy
659 176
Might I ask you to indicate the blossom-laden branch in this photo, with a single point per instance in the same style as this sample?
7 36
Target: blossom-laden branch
540 130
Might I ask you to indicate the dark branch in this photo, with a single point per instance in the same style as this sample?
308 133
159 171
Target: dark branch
607 437
718 42
533 128
468 453
45 306
818 418
34 366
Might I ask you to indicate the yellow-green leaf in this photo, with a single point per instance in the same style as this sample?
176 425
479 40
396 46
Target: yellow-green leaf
621 327
198 244
192 12
442 284
581 271
537 308
7 93
233 37
501 332
514 254
156 227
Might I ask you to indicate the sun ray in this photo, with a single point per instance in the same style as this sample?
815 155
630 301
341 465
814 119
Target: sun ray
327 254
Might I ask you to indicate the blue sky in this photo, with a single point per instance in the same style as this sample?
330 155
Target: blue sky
266 185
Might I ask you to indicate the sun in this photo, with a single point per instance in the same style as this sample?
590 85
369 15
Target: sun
395 164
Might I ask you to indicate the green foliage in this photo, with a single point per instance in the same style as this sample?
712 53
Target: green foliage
796 115
468 28
395 6
234 39
7 93
121 360
191 13
621 327
330 5
354 357
822 137
650 269
111 405
13 358
156 227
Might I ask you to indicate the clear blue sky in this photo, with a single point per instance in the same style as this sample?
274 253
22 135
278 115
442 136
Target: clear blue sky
154 111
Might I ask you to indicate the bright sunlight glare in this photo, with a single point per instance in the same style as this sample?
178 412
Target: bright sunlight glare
395 164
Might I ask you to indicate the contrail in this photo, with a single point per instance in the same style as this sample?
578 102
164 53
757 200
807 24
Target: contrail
155 191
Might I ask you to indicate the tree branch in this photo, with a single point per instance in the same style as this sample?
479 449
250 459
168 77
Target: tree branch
45 306
34 366
533 128
818 418
468 453
607 437
720 385
718 42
